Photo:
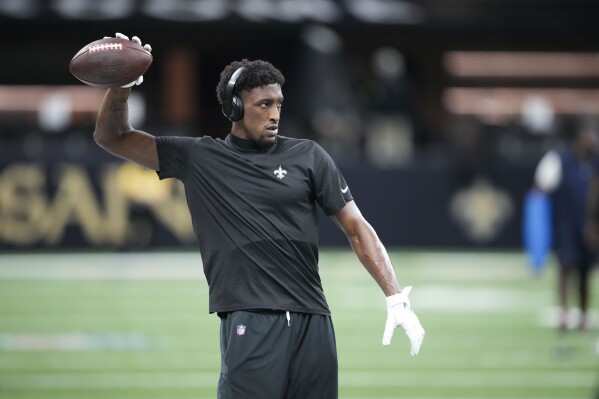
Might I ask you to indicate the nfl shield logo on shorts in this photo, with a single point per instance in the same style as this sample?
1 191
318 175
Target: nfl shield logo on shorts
240 329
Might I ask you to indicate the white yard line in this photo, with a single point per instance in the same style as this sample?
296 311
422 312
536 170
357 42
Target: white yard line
76 342
199 379
103 266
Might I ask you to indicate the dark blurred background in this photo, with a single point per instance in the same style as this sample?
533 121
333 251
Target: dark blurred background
436 111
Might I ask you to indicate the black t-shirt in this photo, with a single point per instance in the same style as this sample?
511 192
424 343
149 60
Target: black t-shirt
254 214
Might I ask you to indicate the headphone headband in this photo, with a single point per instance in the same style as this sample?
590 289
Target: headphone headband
233 82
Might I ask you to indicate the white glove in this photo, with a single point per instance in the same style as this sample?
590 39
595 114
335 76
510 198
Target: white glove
399 313
137 40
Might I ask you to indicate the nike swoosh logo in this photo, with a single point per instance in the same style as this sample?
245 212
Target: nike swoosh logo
344 190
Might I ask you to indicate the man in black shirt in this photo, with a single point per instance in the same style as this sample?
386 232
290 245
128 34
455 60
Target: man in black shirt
252 198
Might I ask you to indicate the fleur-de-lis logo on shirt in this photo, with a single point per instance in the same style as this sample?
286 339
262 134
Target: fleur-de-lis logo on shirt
280 173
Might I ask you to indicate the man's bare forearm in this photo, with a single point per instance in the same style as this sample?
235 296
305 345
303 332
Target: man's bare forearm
593 200
368 248
115 134
372 254
113 117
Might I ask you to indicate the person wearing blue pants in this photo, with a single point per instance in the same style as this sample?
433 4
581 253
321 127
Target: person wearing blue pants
567 175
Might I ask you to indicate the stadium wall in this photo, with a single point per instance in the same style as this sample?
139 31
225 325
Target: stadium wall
107 204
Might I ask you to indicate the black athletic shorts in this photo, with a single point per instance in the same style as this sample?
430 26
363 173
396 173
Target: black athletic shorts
277 355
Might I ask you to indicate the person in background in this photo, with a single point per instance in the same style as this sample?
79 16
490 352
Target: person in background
567 175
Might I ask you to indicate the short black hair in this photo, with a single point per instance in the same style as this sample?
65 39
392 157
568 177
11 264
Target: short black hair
256 73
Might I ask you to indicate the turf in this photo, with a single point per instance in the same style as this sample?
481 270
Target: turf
128 325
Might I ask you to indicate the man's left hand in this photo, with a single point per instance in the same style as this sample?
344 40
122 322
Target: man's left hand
400 314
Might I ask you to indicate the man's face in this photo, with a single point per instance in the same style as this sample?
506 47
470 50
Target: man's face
261 114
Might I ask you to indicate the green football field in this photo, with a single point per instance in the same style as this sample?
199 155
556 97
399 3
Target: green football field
133 326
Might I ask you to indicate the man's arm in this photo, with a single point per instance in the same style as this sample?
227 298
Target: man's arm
375 259
115 134
592 225
367 246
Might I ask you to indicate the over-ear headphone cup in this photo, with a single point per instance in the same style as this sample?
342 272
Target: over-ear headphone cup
236 109
232 104
227 109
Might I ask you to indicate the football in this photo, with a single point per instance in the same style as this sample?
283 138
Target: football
111 62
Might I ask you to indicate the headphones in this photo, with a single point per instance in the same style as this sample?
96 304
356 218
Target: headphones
233 106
